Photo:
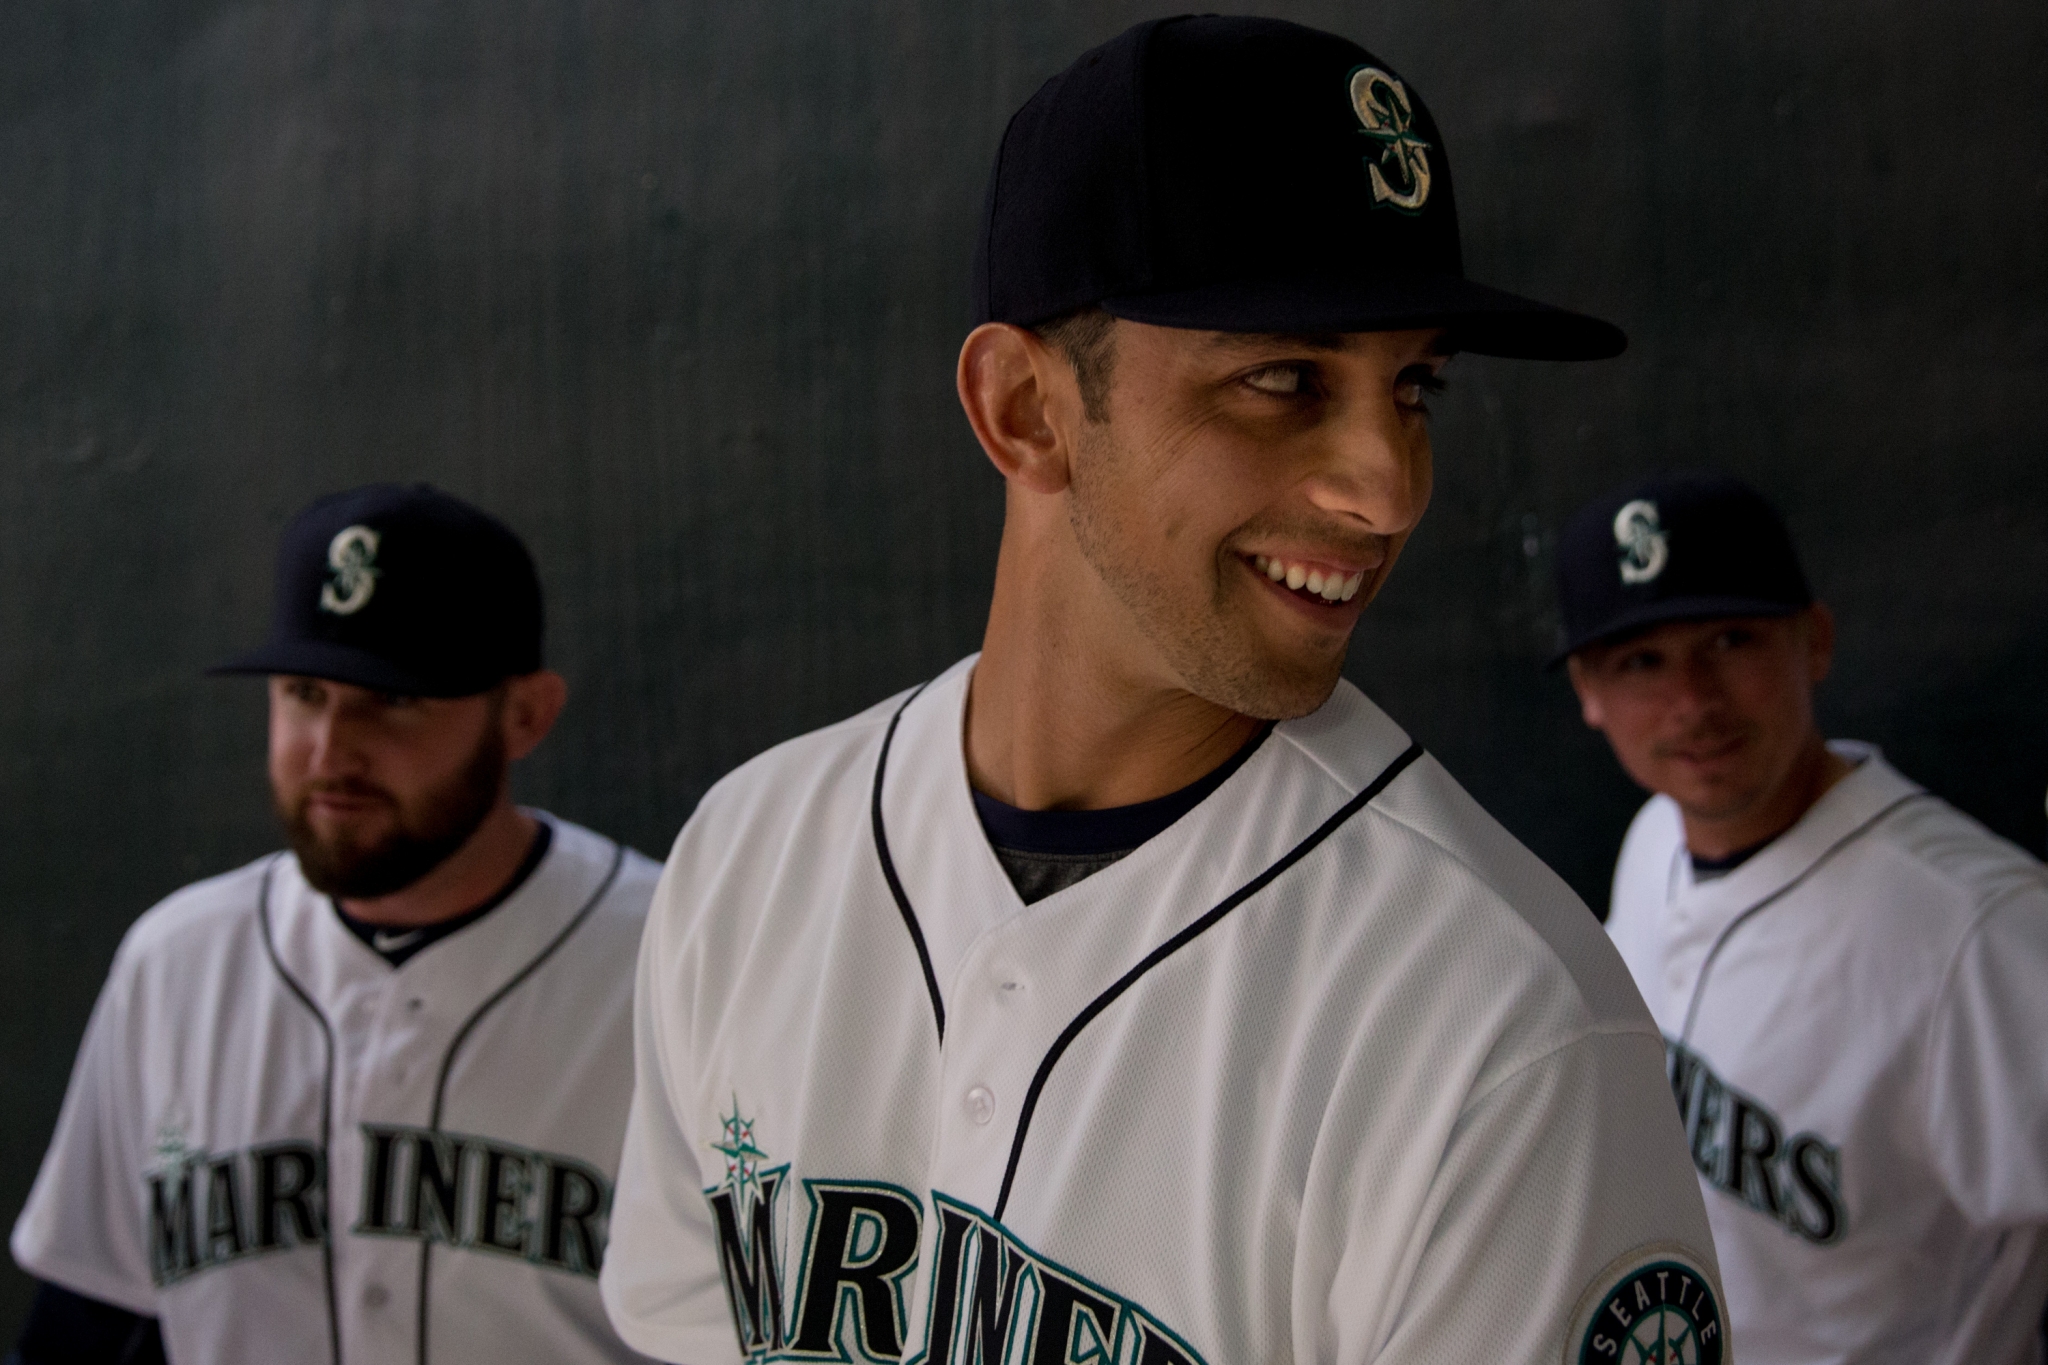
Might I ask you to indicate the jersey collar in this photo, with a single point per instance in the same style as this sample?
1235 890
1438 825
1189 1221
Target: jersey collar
1303 772
1843 813
341 974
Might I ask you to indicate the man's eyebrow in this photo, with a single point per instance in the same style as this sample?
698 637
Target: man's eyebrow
1266 341
1330 342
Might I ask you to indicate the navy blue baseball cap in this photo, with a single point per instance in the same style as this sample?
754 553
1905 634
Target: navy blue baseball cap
404 589
1243 175
1676 547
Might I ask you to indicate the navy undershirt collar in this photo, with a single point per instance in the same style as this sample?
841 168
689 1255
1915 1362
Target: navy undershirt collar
1116 830
1727 862
395 946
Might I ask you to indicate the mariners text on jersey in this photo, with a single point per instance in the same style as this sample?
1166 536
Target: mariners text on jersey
1330 1070
283 1148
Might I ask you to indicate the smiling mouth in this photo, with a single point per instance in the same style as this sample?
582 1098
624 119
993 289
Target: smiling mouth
1709 751
1327 587
346 800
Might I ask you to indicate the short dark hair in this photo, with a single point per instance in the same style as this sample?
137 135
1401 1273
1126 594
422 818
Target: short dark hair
1086 339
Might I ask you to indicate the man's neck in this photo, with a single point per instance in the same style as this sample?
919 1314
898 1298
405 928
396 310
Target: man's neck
470 876
1816 770
1056 723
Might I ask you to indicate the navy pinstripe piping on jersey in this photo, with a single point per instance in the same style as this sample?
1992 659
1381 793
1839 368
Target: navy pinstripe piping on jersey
1179 941
924 956
1699 986
326 1105
462 1035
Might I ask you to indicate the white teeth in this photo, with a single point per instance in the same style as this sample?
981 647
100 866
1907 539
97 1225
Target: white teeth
1331 587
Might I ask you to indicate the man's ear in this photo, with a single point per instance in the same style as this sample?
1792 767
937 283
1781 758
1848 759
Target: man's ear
1820 641
533 702
1022 401
1590 709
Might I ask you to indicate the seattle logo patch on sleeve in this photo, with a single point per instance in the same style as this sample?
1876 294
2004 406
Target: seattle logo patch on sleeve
1654 1306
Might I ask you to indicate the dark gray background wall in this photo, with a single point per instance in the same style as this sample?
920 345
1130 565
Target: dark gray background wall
676 288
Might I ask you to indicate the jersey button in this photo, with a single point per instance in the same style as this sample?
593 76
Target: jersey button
981 1104
376 1296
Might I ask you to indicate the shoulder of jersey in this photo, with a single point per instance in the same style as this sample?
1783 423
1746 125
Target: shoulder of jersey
1940 847
631 889
194 915
777 784
1519 906
1653 836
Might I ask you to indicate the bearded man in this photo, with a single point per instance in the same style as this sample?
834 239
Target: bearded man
363 1100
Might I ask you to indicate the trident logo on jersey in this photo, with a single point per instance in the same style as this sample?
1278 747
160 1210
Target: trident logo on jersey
352 555
743 1209
1400 172
858 1254
1639 536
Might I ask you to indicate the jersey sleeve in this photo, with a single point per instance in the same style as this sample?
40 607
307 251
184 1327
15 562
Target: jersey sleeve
82 1227
1987 1092
660 1282
1563 1190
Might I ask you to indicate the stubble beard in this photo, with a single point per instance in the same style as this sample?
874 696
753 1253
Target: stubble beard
421 840
1216 654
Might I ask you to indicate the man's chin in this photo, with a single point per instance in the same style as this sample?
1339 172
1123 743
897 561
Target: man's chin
1269 688
357 868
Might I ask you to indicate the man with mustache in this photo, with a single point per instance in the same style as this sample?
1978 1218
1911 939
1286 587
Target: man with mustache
1851 976
363 1100
1137 991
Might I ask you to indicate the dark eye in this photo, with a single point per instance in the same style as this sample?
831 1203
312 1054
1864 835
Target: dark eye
1734 638
1414 385
1279 379
1638 661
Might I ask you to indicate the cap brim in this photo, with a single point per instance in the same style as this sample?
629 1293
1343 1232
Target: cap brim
1676 609
1478 318
339 663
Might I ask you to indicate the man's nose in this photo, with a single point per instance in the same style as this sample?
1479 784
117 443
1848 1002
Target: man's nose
331 753
1373 467
1699 684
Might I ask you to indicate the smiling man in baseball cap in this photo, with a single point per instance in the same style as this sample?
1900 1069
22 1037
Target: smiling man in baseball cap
1850 974
362 1100
1136 990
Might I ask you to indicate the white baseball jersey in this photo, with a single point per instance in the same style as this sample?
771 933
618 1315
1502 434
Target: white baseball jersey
287 1150
1330 1070
1857 1022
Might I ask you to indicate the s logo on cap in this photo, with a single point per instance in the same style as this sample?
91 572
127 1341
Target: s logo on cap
1639 535
1383 106
352 554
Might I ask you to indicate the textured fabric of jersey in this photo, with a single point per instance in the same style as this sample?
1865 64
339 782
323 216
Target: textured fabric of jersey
1864 1077
1400 1104
287 1150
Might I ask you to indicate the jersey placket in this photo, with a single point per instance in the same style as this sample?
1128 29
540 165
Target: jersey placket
386 1048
